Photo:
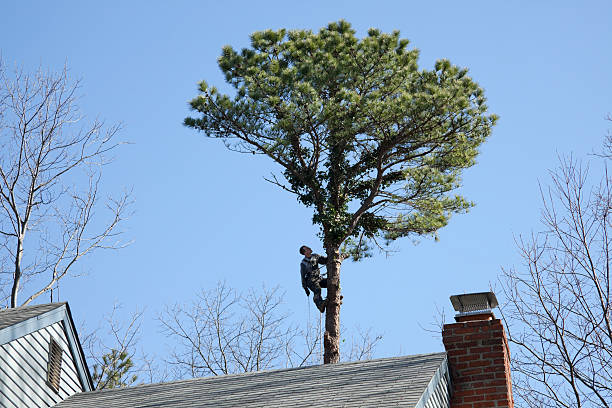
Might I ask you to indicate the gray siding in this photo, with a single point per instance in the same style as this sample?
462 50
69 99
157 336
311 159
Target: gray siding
23 370
441 394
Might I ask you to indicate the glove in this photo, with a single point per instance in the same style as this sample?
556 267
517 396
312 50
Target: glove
307 291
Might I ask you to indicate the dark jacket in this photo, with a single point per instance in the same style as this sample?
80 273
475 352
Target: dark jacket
309 267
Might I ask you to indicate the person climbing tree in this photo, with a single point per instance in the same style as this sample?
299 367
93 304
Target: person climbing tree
311 276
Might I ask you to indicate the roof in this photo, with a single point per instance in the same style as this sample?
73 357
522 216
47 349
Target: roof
391 382
9 317
20 321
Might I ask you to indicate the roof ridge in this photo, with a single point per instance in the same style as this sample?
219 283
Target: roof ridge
253 373
57 304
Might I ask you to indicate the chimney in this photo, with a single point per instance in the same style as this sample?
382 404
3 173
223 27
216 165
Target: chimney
478 355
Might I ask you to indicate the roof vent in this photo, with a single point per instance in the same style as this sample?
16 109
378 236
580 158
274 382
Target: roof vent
54 365
473 304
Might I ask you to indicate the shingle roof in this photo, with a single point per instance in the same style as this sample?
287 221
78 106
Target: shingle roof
9 317
389 382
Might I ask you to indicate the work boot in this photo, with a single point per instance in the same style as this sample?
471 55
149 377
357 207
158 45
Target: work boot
321 306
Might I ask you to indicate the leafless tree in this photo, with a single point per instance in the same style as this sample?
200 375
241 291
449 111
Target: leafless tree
224 332
607 153
557 307
46 212
362 344
114 353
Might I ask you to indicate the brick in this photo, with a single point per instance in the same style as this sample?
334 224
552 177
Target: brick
492 354
496 383
497 397
463 393
457 352
469 357
477 323
478 336
480 363
471 371
474 398
452 339
481 349
483 377
487 390
463 330
484 404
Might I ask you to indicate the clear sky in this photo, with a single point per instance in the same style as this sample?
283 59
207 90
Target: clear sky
202 213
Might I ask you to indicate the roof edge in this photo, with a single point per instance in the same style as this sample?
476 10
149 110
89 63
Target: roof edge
432 390
77 350
32 324
253 373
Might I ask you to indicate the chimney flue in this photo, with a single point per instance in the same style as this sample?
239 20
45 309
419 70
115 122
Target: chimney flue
474 306
478 355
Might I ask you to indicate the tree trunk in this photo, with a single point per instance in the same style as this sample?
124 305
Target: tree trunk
331 339
17 275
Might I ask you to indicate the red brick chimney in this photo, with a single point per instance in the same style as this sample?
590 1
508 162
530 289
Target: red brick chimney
478 355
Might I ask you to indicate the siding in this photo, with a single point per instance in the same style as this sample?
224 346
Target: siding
23 370
440 396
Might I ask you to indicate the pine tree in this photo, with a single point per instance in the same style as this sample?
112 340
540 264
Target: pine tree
114 371
373 144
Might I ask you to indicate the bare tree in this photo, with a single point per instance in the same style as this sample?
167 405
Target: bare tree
557 307
607 153
115 355
224 332
362 345
112 356
46 214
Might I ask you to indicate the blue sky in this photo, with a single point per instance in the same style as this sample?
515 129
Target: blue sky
202 213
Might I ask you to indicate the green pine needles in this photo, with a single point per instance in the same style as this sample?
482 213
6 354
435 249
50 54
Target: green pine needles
375 145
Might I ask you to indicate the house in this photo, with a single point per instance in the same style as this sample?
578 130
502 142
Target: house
473 372
41 359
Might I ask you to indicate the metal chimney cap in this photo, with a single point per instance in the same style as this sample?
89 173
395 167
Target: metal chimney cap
470 303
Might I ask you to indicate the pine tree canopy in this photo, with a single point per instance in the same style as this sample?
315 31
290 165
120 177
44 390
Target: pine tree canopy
371 142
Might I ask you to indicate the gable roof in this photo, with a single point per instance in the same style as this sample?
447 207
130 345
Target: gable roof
20 321
413 381
10 317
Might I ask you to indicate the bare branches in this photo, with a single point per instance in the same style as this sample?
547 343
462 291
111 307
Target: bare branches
223 332
114 356
558 310
43 147
362 345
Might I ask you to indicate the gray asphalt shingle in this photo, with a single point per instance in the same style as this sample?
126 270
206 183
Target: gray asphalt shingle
9 317
389 382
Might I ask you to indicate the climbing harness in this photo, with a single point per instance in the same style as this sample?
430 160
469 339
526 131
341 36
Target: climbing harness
319 270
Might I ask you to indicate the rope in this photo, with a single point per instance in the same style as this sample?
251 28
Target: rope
321 334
